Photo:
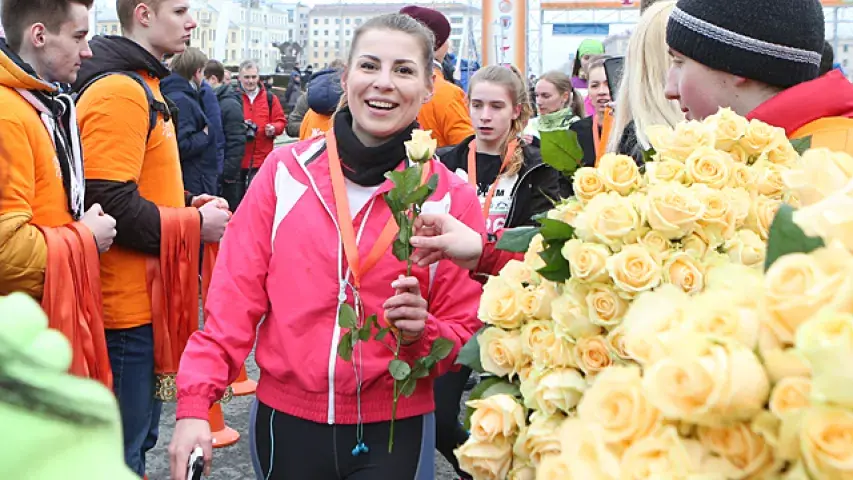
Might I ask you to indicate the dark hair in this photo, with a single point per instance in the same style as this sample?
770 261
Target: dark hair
125 9
18 15
827 60
214 68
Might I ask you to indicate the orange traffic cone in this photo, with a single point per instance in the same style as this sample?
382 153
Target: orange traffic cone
223 435
244 385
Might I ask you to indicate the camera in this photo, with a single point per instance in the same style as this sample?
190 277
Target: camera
251 130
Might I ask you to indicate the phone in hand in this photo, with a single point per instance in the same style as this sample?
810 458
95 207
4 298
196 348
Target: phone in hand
195 465
613 69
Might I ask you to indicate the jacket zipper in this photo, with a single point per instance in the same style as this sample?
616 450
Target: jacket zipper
515 191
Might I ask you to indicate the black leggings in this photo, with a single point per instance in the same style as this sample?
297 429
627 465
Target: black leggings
303 450
449 434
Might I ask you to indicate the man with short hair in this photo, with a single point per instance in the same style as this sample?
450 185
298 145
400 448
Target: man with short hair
49 242
265 117
133 169
196 131
446 114
761 58
233 128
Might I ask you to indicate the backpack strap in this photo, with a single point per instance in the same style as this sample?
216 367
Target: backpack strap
155 107
269 102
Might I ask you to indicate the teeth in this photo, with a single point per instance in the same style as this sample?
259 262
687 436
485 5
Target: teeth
380 104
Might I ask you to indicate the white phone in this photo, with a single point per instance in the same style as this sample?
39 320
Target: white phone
195 465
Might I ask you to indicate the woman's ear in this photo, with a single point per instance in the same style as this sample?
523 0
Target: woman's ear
430 88
516 112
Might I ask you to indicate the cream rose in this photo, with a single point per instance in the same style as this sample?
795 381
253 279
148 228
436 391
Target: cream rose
422 146
826 342
553 467
762 211
661 137
610 219
532 257
616 341
555 390
486 460
667 455
501 353
784 154
744 449
666 171
830 219
657 244
768 178
695 244
571 317
720 212
720 313
518 274
567 211
746 248
587 183
708 381
606 308
789 395
688 136
536 301
728 126
673 210
540 342
592 355
616 403
587 261
826 442
619 173
541 438
779 361
761 138
495 416
521 472
634 270
650 318
709 166
743 177
585 452
500 304
685 272
819 174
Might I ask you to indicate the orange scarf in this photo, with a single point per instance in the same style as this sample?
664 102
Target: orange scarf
173 287
72 299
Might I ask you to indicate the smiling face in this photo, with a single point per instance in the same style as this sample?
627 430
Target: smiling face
249 79
386 83
599 91
170 26
548 98
492 112
63 51
698 89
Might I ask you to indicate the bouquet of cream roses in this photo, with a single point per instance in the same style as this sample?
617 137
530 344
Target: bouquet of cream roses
628 254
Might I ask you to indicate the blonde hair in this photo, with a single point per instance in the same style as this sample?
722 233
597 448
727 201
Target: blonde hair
563 84
641 92
189 62
516 86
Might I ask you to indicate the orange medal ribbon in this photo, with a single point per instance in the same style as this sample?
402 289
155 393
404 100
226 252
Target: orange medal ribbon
472 171
345 220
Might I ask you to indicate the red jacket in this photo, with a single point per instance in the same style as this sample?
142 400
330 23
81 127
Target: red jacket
281 259
260 112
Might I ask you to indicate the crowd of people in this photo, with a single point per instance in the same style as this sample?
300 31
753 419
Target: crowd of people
123 158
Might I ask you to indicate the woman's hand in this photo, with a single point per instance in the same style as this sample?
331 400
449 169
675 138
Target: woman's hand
407 309
441 236
189 433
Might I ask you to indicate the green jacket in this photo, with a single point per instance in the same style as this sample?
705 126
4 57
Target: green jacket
70 428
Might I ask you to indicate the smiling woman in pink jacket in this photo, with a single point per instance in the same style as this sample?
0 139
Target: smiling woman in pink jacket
283 258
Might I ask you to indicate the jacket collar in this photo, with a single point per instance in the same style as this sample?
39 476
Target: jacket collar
828 96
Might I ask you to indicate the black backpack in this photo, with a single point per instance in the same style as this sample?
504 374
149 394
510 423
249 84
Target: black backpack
168 110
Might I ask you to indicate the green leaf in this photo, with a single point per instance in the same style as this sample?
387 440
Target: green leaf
556 267
440 349
401 250
649 155
556 230
417 196
345 346
364 332
399 369
517 239
347 317
561 150
421 369
432 183
408 387
469 355
382 333
393 202
802 144
488 387
786 237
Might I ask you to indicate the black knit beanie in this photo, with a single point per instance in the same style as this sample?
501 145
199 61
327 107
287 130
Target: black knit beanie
778 42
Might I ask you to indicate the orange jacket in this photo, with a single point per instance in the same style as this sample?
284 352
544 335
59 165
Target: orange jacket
314 124
446 114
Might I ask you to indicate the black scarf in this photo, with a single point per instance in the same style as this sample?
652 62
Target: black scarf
366 166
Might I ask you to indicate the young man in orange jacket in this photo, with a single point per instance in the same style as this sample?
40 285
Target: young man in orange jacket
446 114
133 169
49 243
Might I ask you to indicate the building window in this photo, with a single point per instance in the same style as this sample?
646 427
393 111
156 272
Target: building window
326 21
456 31
316 44
347 21
337 44
233 37
349 32
326 54
846 47
456 19
337 21
316 21
316 32
326 33
326 43
358 21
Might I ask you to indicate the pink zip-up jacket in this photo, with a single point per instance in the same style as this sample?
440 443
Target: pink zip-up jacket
282 258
